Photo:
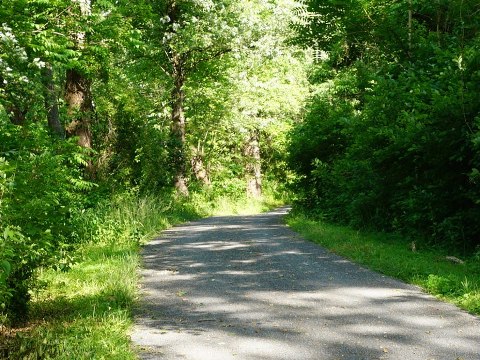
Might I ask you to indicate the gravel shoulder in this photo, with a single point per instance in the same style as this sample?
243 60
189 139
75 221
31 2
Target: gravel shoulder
247 287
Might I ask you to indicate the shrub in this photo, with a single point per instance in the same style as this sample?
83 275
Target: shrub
41 187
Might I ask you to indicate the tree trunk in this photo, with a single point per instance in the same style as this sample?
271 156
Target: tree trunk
253 168
178 125
409 25
78 98
17 116
51 103
78 95
177 131
15 113
198 166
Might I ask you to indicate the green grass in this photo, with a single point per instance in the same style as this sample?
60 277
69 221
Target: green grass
86 312
223 205
392 255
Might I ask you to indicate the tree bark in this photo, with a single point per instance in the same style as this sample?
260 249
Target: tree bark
17 116
198 166
78 98
177 130
253 169
51 103
78 95
178 125
409 25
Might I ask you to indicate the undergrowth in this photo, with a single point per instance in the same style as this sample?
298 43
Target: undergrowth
86 312
395 256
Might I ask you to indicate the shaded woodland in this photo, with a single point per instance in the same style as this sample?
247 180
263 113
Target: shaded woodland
390 140
364 112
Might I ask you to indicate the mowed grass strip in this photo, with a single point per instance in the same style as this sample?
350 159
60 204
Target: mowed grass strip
393 255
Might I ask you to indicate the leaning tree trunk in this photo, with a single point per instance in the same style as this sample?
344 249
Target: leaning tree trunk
253 168
178 125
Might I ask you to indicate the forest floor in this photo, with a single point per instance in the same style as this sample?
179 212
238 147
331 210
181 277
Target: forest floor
247 287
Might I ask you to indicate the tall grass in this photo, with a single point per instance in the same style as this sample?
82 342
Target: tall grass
394 256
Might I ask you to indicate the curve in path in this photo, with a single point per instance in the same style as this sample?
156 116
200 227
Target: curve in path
247 287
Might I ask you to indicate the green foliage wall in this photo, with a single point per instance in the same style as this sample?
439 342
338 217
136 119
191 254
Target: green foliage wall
41 191
391 137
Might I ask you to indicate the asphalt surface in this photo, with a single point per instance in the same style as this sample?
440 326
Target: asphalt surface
247 287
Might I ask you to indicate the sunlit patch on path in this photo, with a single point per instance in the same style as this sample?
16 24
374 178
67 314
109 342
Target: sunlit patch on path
249 288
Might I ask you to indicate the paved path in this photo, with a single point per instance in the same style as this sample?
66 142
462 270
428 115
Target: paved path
247 287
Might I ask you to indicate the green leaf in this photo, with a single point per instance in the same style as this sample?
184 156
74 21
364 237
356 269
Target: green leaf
5 269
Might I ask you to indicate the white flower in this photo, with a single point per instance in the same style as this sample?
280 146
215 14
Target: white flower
167 37
38 63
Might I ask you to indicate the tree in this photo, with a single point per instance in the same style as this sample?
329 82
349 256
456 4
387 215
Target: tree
389 132
51 102
41 180
78 94
201 42
193 33
271 85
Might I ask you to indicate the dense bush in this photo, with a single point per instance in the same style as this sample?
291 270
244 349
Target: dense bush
390 141
41 189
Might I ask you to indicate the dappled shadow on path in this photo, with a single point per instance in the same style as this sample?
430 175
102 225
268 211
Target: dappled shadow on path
248 288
